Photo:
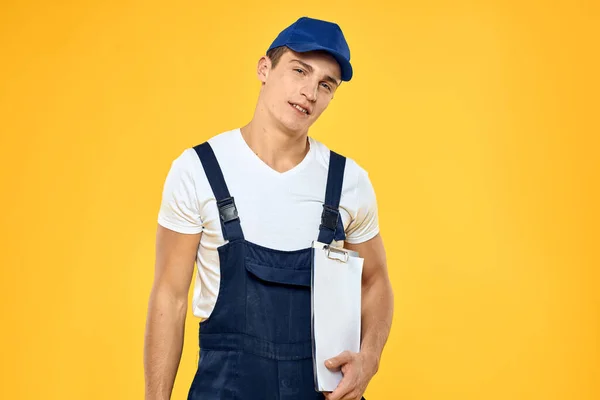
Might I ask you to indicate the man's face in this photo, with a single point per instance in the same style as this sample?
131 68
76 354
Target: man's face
299 88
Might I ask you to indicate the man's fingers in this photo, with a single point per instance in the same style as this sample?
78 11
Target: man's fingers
346 385
337 361
342 389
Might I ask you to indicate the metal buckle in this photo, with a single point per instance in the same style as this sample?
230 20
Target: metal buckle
337 254
227 210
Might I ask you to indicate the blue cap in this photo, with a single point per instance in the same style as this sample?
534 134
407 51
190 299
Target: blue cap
309 34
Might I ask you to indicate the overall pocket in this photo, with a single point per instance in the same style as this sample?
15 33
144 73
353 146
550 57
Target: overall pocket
278 303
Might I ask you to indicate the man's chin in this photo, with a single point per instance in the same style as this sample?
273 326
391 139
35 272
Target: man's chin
295 128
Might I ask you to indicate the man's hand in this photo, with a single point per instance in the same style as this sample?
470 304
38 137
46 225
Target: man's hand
357 370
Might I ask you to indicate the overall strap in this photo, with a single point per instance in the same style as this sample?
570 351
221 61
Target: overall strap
228 214
331 227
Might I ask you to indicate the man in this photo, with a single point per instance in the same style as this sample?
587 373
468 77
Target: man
246 205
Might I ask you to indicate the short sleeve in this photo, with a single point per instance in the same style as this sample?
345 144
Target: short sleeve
365 224
179 208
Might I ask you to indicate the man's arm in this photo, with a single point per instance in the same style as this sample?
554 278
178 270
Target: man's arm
377 311
175 257
377 299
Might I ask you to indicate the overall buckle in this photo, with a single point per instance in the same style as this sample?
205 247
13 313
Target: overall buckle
227 209
329 217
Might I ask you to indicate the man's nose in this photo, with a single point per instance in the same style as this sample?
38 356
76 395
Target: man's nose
310 91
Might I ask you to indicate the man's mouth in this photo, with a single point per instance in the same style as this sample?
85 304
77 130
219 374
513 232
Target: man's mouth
299 108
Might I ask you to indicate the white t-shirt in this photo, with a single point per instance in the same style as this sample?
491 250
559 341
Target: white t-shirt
277 210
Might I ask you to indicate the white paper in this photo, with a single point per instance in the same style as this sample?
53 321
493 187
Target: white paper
336 307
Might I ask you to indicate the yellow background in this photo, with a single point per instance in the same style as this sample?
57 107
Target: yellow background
477 122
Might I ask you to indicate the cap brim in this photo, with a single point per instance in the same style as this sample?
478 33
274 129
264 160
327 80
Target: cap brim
345 66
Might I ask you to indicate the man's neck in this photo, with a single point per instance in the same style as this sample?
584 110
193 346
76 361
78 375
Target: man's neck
280 150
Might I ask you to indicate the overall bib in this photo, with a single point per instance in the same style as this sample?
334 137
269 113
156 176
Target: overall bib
256 344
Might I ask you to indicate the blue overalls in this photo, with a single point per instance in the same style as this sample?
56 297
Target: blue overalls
256 344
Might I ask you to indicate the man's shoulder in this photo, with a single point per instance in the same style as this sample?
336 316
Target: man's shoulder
187 159
188 155
222 138
323 154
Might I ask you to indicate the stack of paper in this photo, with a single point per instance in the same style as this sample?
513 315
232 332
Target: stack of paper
336 309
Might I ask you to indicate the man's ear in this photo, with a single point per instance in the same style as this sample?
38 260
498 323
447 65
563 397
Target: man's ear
263 68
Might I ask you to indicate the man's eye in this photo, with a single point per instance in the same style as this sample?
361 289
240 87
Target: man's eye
300 71
326 86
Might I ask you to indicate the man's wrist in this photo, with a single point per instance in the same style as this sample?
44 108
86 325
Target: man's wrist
371 361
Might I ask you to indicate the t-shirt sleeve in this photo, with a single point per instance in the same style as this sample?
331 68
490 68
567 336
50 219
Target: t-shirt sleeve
179 207
365 224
